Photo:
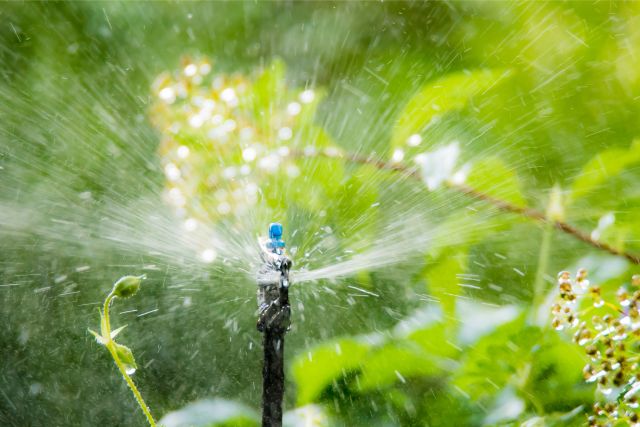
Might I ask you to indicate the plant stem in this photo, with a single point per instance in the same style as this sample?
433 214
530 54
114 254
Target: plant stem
132 386
543 264
110 346
105 311
502 205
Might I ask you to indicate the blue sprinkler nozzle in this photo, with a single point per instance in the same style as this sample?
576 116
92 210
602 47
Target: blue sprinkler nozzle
275 243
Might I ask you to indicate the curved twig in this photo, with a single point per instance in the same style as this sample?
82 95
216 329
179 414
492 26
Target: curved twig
502 205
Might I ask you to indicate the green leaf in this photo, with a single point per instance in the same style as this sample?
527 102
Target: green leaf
117 331
354 213
507 406
394 362
449 93
575 417
329 362
478 319
212 413
318 184
492 177
99 337
443 283
267 90
556 375
506 354
435 340
605 165
125 355
463 229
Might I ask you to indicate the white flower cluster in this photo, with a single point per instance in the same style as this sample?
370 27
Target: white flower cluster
223 135
609 335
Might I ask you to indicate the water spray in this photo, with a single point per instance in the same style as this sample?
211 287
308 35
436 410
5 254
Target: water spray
274 315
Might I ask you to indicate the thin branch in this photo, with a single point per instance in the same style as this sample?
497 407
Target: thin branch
502 205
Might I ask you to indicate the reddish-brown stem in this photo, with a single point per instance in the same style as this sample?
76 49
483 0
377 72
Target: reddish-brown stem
502 205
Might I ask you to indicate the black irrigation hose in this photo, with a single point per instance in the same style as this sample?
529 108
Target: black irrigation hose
273 377
273 322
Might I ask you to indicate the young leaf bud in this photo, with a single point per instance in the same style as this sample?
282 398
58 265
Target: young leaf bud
126 357
127 286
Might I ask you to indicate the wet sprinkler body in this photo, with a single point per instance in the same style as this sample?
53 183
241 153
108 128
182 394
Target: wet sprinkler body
274 315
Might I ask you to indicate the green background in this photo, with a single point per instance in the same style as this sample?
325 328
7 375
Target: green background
78 156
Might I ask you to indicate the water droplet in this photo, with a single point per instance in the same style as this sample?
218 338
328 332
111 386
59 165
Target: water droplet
294 109
229 173
283 151
176 197
246 133
249 154
414 140
217 119
172 172
190 70
196 121
293 171
398 155
285 133
190 224
168 95
35 389
269 163
307 96
183 151
224 208
73 48
208 255
229 125
205 68
229 96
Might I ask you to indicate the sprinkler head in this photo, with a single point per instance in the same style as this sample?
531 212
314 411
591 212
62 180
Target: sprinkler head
273 282
275 230
275 243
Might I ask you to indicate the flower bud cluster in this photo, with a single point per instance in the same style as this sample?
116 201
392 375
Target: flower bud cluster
609 334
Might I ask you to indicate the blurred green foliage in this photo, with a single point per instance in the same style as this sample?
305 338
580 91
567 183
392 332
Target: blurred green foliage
537 94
